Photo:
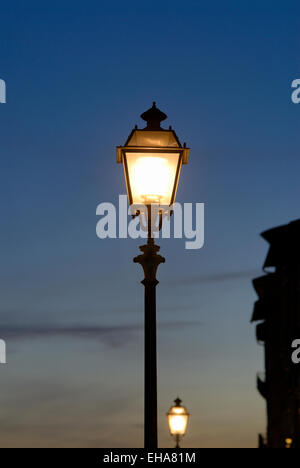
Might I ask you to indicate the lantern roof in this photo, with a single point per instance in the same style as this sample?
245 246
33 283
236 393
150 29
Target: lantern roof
154 136
178 404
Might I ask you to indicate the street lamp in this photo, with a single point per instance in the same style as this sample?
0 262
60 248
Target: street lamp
178 418
288 443
152 159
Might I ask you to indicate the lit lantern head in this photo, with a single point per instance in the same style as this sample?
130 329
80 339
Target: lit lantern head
288 443
152 159
178 418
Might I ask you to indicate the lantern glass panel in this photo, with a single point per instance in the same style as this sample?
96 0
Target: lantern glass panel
152 176
178 420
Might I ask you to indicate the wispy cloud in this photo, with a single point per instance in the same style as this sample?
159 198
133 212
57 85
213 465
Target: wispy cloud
113 336
214 277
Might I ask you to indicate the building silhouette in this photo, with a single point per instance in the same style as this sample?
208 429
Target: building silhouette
277 313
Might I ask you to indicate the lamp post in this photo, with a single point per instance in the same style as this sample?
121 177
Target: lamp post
152 159
178 418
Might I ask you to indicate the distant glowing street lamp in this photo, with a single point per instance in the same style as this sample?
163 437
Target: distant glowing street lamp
288 443
178 418
152 159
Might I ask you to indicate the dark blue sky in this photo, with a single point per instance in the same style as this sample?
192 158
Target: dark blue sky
78 76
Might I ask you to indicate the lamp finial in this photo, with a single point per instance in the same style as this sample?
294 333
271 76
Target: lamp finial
153 117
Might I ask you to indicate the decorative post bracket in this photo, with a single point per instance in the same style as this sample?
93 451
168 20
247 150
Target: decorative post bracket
150 261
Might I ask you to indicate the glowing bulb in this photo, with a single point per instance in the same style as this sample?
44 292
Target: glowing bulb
152 177
177 424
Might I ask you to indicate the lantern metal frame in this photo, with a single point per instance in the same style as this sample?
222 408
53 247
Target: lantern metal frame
153 117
